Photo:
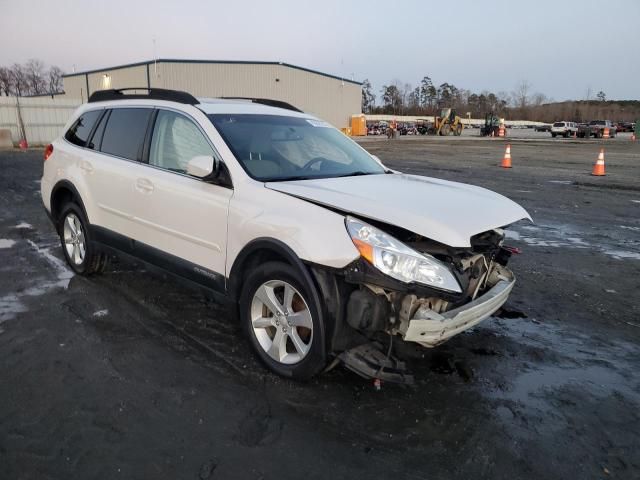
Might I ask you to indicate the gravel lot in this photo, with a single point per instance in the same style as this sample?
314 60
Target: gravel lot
132 375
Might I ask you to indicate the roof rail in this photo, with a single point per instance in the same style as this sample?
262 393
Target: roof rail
152 94
267 101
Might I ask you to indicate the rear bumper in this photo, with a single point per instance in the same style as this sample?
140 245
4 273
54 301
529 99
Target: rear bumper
430 329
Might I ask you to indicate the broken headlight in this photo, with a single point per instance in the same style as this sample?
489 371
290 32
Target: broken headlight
397 260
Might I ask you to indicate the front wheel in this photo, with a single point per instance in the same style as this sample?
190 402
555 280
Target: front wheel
281 316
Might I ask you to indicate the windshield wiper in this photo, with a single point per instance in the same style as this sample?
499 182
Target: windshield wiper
320 177
290 178
357 173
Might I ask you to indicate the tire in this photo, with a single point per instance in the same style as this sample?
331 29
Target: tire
553 135
79 251
292 349
566 135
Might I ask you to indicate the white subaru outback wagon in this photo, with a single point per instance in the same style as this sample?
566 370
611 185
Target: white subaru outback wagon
319 245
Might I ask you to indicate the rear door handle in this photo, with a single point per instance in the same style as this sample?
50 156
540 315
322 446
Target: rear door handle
86 166
143 185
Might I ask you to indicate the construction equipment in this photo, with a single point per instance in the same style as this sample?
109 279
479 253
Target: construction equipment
448 122
491 125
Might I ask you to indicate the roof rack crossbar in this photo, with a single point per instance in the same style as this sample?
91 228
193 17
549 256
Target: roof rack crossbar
152 94
267 101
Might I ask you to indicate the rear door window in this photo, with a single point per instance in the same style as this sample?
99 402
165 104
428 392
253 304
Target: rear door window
96 138
79 133
125 131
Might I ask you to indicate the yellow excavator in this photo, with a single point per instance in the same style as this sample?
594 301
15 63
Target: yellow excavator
447 123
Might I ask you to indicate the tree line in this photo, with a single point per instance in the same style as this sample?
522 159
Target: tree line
30 78
522 103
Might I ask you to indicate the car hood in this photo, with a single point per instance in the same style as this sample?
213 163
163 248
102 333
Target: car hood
447 212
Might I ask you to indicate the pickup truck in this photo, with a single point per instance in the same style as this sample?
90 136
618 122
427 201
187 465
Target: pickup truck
595 128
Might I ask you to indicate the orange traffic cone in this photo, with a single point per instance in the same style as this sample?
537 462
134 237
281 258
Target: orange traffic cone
575 134
633 137
598 167
506 161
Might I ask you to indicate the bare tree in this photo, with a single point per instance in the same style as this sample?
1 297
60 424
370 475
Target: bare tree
5 81
538 99
521 94
55 80
601 96
19 80
34 70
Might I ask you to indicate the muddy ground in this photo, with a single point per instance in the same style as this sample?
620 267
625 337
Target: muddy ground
132 375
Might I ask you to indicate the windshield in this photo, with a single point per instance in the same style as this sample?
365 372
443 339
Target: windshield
597 122
277 148
558 124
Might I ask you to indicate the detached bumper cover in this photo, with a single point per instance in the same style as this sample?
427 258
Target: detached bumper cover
430 329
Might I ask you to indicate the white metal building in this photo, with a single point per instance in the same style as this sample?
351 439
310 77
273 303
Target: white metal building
329 97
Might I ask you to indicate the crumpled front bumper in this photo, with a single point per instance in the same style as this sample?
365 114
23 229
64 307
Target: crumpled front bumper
430 328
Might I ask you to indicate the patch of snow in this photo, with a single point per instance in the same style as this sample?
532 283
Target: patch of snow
6 243
622 254
512 234
64 274
25 225
10 305
101 313
561 182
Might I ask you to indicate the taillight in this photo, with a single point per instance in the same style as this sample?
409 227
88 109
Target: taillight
48 151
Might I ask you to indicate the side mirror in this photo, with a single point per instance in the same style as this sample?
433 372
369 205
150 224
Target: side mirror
204 167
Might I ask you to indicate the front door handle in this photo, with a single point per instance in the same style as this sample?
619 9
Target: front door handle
143 185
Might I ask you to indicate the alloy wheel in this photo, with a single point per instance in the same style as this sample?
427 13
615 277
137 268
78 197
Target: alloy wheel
282 322
74 239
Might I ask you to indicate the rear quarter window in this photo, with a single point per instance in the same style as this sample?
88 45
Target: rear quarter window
79 132
125 131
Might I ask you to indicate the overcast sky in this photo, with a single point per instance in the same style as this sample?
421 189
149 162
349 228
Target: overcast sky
562 48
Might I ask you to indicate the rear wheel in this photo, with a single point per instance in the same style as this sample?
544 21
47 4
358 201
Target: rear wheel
553 135
282 319
79 252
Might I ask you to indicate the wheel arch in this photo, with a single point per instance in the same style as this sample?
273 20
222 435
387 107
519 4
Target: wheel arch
262 250
61 191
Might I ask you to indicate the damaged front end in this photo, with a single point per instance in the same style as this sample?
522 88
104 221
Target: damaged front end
369 308
424 314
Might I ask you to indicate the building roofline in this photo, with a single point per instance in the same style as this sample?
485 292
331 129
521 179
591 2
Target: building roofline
231 62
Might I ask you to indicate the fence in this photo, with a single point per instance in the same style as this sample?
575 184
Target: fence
43 117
